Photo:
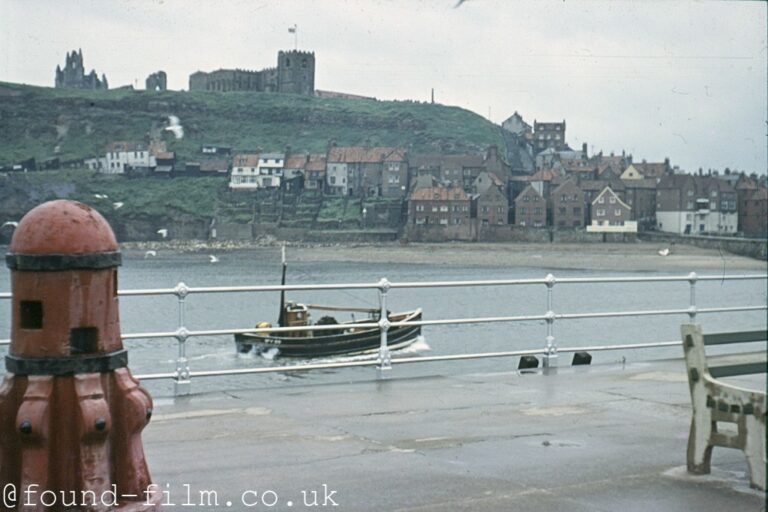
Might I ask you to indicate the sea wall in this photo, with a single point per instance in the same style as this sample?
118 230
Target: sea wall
752 247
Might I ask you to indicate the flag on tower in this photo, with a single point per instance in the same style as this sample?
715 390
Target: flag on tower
292 30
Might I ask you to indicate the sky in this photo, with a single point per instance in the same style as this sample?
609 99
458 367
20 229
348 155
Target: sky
681 79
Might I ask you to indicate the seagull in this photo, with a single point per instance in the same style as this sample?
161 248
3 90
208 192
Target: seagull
163 232
10 223
214 259
664 252
150 253
118 205
100 196
175 127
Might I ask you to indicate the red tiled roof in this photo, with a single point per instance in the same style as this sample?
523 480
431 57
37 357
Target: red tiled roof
438 194
651 169
545 175
245 160
316 162
359 154
295 162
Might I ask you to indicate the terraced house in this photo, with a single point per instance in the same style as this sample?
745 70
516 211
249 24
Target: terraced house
443 206
362 171
696 205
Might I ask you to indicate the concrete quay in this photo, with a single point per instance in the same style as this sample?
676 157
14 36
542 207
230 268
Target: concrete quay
600 438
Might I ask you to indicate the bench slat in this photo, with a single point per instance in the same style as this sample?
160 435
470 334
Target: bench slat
738 364
721 338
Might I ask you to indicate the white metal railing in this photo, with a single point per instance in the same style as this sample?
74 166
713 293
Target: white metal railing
182 375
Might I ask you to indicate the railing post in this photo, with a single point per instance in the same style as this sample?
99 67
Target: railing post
182 384
384 359
550 350
692 277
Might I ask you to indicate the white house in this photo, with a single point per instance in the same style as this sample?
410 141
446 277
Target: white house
270 170
245 171
125 154
336 176
609 214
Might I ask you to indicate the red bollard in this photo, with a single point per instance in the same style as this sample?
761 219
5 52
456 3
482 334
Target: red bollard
71 414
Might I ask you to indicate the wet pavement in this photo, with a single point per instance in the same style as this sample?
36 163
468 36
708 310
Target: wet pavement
601 438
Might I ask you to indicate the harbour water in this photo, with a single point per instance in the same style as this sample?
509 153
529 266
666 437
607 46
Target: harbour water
261 267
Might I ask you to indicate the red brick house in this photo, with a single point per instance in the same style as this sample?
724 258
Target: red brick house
530 208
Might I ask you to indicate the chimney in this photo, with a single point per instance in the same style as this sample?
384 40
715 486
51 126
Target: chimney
584 150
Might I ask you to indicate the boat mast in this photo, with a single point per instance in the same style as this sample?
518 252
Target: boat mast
281 317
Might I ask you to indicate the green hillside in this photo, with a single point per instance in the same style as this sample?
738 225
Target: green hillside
43 122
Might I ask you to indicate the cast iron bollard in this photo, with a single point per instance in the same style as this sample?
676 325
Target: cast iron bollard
71 414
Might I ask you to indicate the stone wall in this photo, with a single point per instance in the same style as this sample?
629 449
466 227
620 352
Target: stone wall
751 247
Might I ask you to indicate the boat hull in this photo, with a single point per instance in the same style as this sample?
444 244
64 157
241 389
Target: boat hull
347 343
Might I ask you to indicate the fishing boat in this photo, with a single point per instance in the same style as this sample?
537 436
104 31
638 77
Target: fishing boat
347 338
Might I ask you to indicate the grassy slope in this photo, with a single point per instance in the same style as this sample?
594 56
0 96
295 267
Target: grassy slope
34 120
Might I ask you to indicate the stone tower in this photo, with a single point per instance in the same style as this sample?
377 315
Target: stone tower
73 75
296 72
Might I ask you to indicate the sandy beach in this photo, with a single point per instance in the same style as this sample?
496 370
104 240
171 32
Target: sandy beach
640 256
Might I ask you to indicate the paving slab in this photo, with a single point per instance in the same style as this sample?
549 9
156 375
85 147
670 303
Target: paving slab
604 438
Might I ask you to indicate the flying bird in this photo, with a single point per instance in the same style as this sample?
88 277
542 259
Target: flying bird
664 252
175 127
100 196
10 223
118 205
150 253
214 259
163 232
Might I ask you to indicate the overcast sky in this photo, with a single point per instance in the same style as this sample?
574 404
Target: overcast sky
680 79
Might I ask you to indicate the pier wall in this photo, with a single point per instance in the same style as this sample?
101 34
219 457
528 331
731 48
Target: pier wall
752 247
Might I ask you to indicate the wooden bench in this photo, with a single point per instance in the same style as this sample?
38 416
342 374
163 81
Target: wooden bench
717 401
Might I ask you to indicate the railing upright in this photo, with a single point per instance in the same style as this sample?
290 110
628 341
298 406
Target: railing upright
550 349
384 359
692 278
182 383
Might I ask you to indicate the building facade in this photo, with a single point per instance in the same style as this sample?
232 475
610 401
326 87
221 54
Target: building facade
567 205
548 135
442 206
610 214
687 204
530 208
122 156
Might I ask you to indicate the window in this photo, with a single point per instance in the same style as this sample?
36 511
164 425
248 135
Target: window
434 208
617 212
287 63
577 210
600 212
31 314
523 211
713 193
690 192
420 208
537 211
601 200
612 199
444 221
333 180
561 211
83 340
690 205
443 208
